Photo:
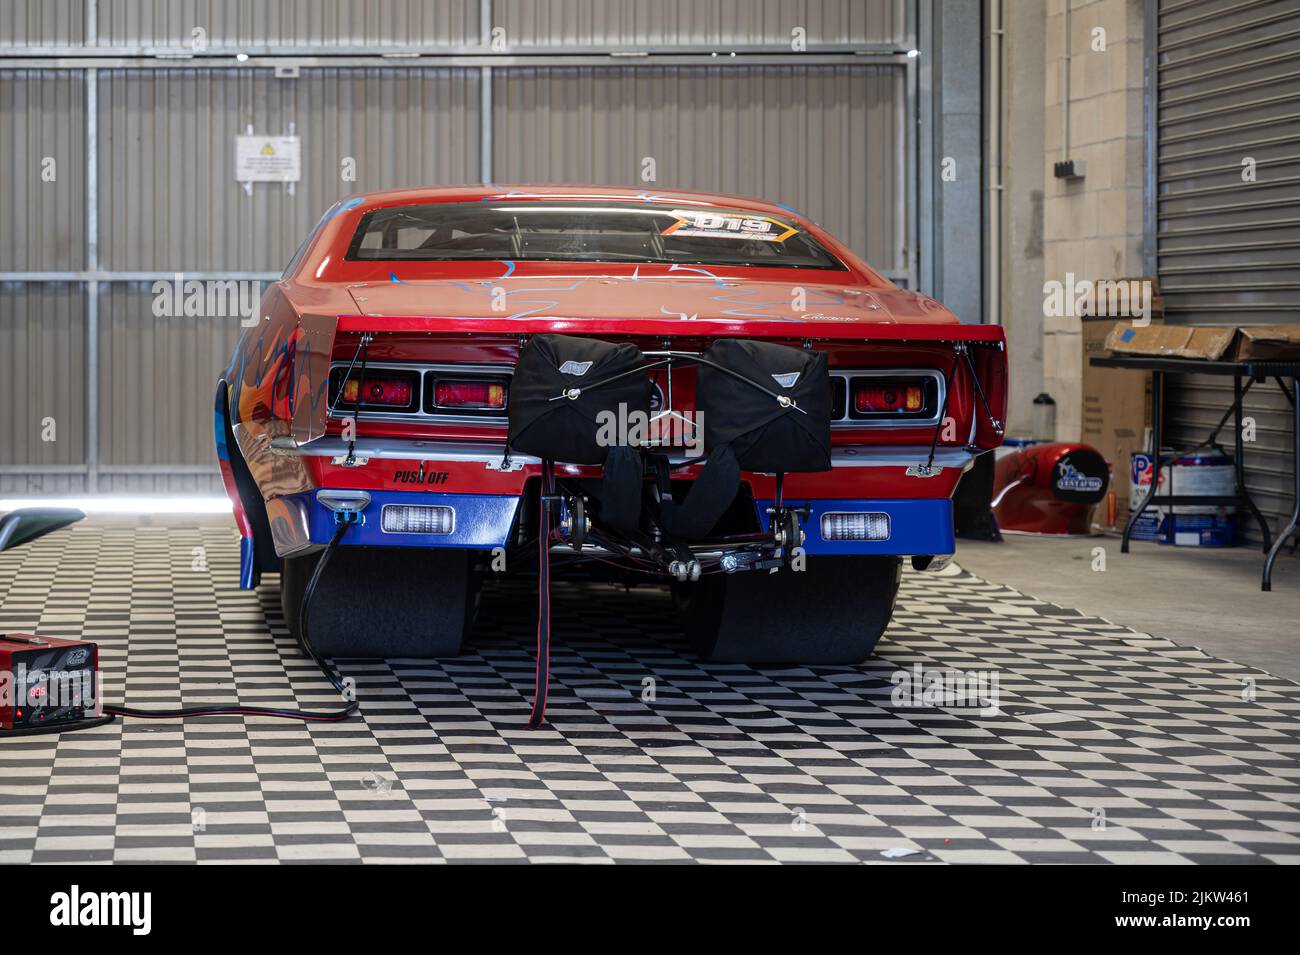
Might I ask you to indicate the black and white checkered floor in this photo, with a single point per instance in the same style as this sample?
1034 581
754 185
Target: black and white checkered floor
1109 746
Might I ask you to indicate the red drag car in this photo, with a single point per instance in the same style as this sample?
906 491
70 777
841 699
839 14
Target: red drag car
701 389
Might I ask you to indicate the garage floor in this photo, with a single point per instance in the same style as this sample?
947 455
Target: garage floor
1110 745
1196 596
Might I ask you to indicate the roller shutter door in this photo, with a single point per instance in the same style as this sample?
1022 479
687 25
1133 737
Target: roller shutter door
1228 205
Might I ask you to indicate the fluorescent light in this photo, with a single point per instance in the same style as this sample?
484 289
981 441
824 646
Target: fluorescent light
111 504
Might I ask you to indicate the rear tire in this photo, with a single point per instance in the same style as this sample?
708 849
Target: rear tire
383 602
833 612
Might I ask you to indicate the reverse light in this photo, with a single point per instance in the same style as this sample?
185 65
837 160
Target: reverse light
417 519
872 396
469 394
855 526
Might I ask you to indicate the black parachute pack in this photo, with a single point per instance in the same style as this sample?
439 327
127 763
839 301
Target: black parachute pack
561 386
766 407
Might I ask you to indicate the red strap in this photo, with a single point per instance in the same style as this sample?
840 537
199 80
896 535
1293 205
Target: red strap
542 673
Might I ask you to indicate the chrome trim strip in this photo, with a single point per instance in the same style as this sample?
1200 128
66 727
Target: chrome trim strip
847 456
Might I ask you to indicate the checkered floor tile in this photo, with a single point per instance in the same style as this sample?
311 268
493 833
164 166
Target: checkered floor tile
1106 745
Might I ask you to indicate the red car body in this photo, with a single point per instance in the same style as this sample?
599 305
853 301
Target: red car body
280 447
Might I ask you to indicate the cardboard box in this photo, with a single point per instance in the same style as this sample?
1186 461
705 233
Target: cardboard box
1116 414
1267 343
1209 342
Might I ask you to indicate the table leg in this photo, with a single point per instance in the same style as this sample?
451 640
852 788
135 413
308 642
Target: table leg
1290 529
1157 386
1239 466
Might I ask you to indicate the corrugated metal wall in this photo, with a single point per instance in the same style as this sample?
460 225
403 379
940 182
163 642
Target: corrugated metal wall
42 326
279 24
1227 244
43 144
167 156
640 24
36 23
528 24
827 136
823 140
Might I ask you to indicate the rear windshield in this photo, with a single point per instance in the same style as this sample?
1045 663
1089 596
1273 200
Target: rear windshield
584 232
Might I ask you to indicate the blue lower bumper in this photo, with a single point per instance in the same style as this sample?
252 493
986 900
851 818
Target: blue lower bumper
482 521
485 521
915 527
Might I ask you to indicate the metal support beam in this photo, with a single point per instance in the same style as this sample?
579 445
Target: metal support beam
485 124
1150 119
106 59
107 275
92 265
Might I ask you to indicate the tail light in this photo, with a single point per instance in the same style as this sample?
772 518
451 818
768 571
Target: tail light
870 396
469 394
379 391
867 397
382 389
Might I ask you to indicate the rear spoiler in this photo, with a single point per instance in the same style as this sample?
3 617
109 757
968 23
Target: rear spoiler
693 327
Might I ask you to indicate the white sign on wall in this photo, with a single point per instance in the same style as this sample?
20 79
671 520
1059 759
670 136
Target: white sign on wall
268 159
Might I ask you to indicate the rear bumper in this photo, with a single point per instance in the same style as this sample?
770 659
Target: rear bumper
480 522
303 523
484 521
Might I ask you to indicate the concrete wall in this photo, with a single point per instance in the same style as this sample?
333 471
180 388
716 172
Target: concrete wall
1023 149
1052 228
1092 227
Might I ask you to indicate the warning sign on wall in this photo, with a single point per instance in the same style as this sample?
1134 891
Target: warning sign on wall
268 159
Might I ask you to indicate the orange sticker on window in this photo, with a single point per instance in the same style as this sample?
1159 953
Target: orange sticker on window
719 225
